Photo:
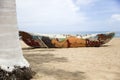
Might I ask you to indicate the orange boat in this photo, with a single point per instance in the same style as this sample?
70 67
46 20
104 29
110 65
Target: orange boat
65 41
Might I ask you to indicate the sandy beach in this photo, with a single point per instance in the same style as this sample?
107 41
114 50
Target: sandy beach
83 63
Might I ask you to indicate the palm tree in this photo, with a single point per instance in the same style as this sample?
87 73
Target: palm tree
13 66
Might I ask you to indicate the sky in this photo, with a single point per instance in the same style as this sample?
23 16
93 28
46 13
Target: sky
55 16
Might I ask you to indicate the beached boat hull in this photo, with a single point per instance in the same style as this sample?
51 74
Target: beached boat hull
64 41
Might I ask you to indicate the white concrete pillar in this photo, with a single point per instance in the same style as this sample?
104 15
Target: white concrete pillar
10 49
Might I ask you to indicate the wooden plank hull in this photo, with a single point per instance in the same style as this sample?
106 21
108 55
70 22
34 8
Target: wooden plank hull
64 41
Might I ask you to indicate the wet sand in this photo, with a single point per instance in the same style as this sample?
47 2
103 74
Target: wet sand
91 63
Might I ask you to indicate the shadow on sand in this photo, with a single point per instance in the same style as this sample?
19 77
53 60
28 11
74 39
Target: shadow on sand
36 61
59 74
30 49
43 58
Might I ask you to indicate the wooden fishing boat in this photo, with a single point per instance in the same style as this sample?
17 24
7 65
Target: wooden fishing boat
65 41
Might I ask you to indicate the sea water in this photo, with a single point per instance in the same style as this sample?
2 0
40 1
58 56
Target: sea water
117 33
82 33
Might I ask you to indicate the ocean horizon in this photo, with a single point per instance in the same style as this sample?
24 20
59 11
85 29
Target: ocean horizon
117 33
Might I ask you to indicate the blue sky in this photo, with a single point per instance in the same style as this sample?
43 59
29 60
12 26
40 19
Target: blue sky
54 16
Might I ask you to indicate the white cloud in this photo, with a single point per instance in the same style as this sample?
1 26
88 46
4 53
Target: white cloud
115 17
67 15
114 22
49 13
85 2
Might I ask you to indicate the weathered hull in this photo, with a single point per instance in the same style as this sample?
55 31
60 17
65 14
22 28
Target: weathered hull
64 41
